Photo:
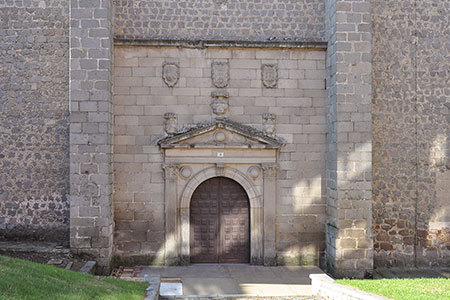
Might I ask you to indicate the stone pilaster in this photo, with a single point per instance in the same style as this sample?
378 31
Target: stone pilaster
270 212
91 125
349 140
171 256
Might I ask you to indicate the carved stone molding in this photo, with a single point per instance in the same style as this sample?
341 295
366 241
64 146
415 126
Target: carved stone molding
220 137
254 172
270 169
170 73
171 171
219 104
269 75
170 123
183 201
221 131
269 123
220 73
186 172
220 169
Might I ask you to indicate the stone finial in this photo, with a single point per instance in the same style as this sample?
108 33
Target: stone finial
170 123
219 104
269 75
170 74
220 73
269 123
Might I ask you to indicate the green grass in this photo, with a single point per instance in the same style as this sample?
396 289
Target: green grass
24 280
404 289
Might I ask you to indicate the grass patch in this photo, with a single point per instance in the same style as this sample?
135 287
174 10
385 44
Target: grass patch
24 280
404 289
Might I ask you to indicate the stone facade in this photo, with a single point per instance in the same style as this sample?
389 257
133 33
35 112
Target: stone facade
219 20
361 181
349 139
91 130
34 120
411 99
142 98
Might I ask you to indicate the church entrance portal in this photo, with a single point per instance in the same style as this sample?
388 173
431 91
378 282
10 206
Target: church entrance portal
219 223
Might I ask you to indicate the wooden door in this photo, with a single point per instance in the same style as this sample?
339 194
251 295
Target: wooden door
219 223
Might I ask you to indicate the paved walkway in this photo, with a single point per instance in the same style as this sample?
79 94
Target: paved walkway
236 279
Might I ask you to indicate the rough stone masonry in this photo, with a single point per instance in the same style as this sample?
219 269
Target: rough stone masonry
361 98
34 120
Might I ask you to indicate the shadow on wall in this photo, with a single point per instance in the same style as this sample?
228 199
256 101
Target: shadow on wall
411 116
301 238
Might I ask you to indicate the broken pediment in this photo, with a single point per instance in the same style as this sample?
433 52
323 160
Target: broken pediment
222 133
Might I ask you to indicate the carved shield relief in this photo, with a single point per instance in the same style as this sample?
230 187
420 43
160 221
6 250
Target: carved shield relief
269 75
170 73
220 73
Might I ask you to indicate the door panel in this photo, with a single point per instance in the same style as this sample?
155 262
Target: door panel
204 222
234 223
219 219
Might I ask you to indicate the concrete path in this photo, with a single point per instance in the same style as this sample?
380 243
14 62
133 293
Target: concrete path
236 279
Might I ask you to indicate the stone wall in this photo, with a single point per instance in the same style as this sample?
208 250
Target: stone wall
411 60
349 139
91 135
141 97
255 20
34 162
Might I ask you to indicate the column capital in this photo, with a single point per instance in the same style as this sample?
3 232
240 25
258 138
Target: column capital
171 170
270 169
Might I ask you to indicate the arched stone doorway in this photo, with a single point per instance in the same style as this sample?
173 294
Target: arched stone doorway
219 222
246 156
254 194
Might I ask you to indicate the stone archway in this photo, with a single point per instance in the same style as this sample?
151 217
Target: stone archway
256 210
227 149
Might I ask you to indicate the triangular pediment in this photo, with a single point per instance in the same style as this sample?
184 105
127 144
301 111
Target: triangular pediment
222 133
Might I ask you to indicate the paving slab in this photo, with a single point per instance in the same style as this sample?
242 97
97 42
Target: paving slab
237 279
171 288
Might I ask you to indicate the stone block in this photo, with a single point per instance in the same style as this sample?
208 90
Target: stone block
80 243
129 247
101 242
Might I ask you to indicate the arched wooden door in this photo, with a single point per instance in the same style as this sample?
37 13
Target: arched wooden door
219 222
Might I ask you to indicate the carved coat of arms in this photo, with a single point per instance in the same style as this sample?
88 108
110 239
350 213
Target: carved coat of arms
219 102
269 123
220 73
170 123
170 74
269 76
